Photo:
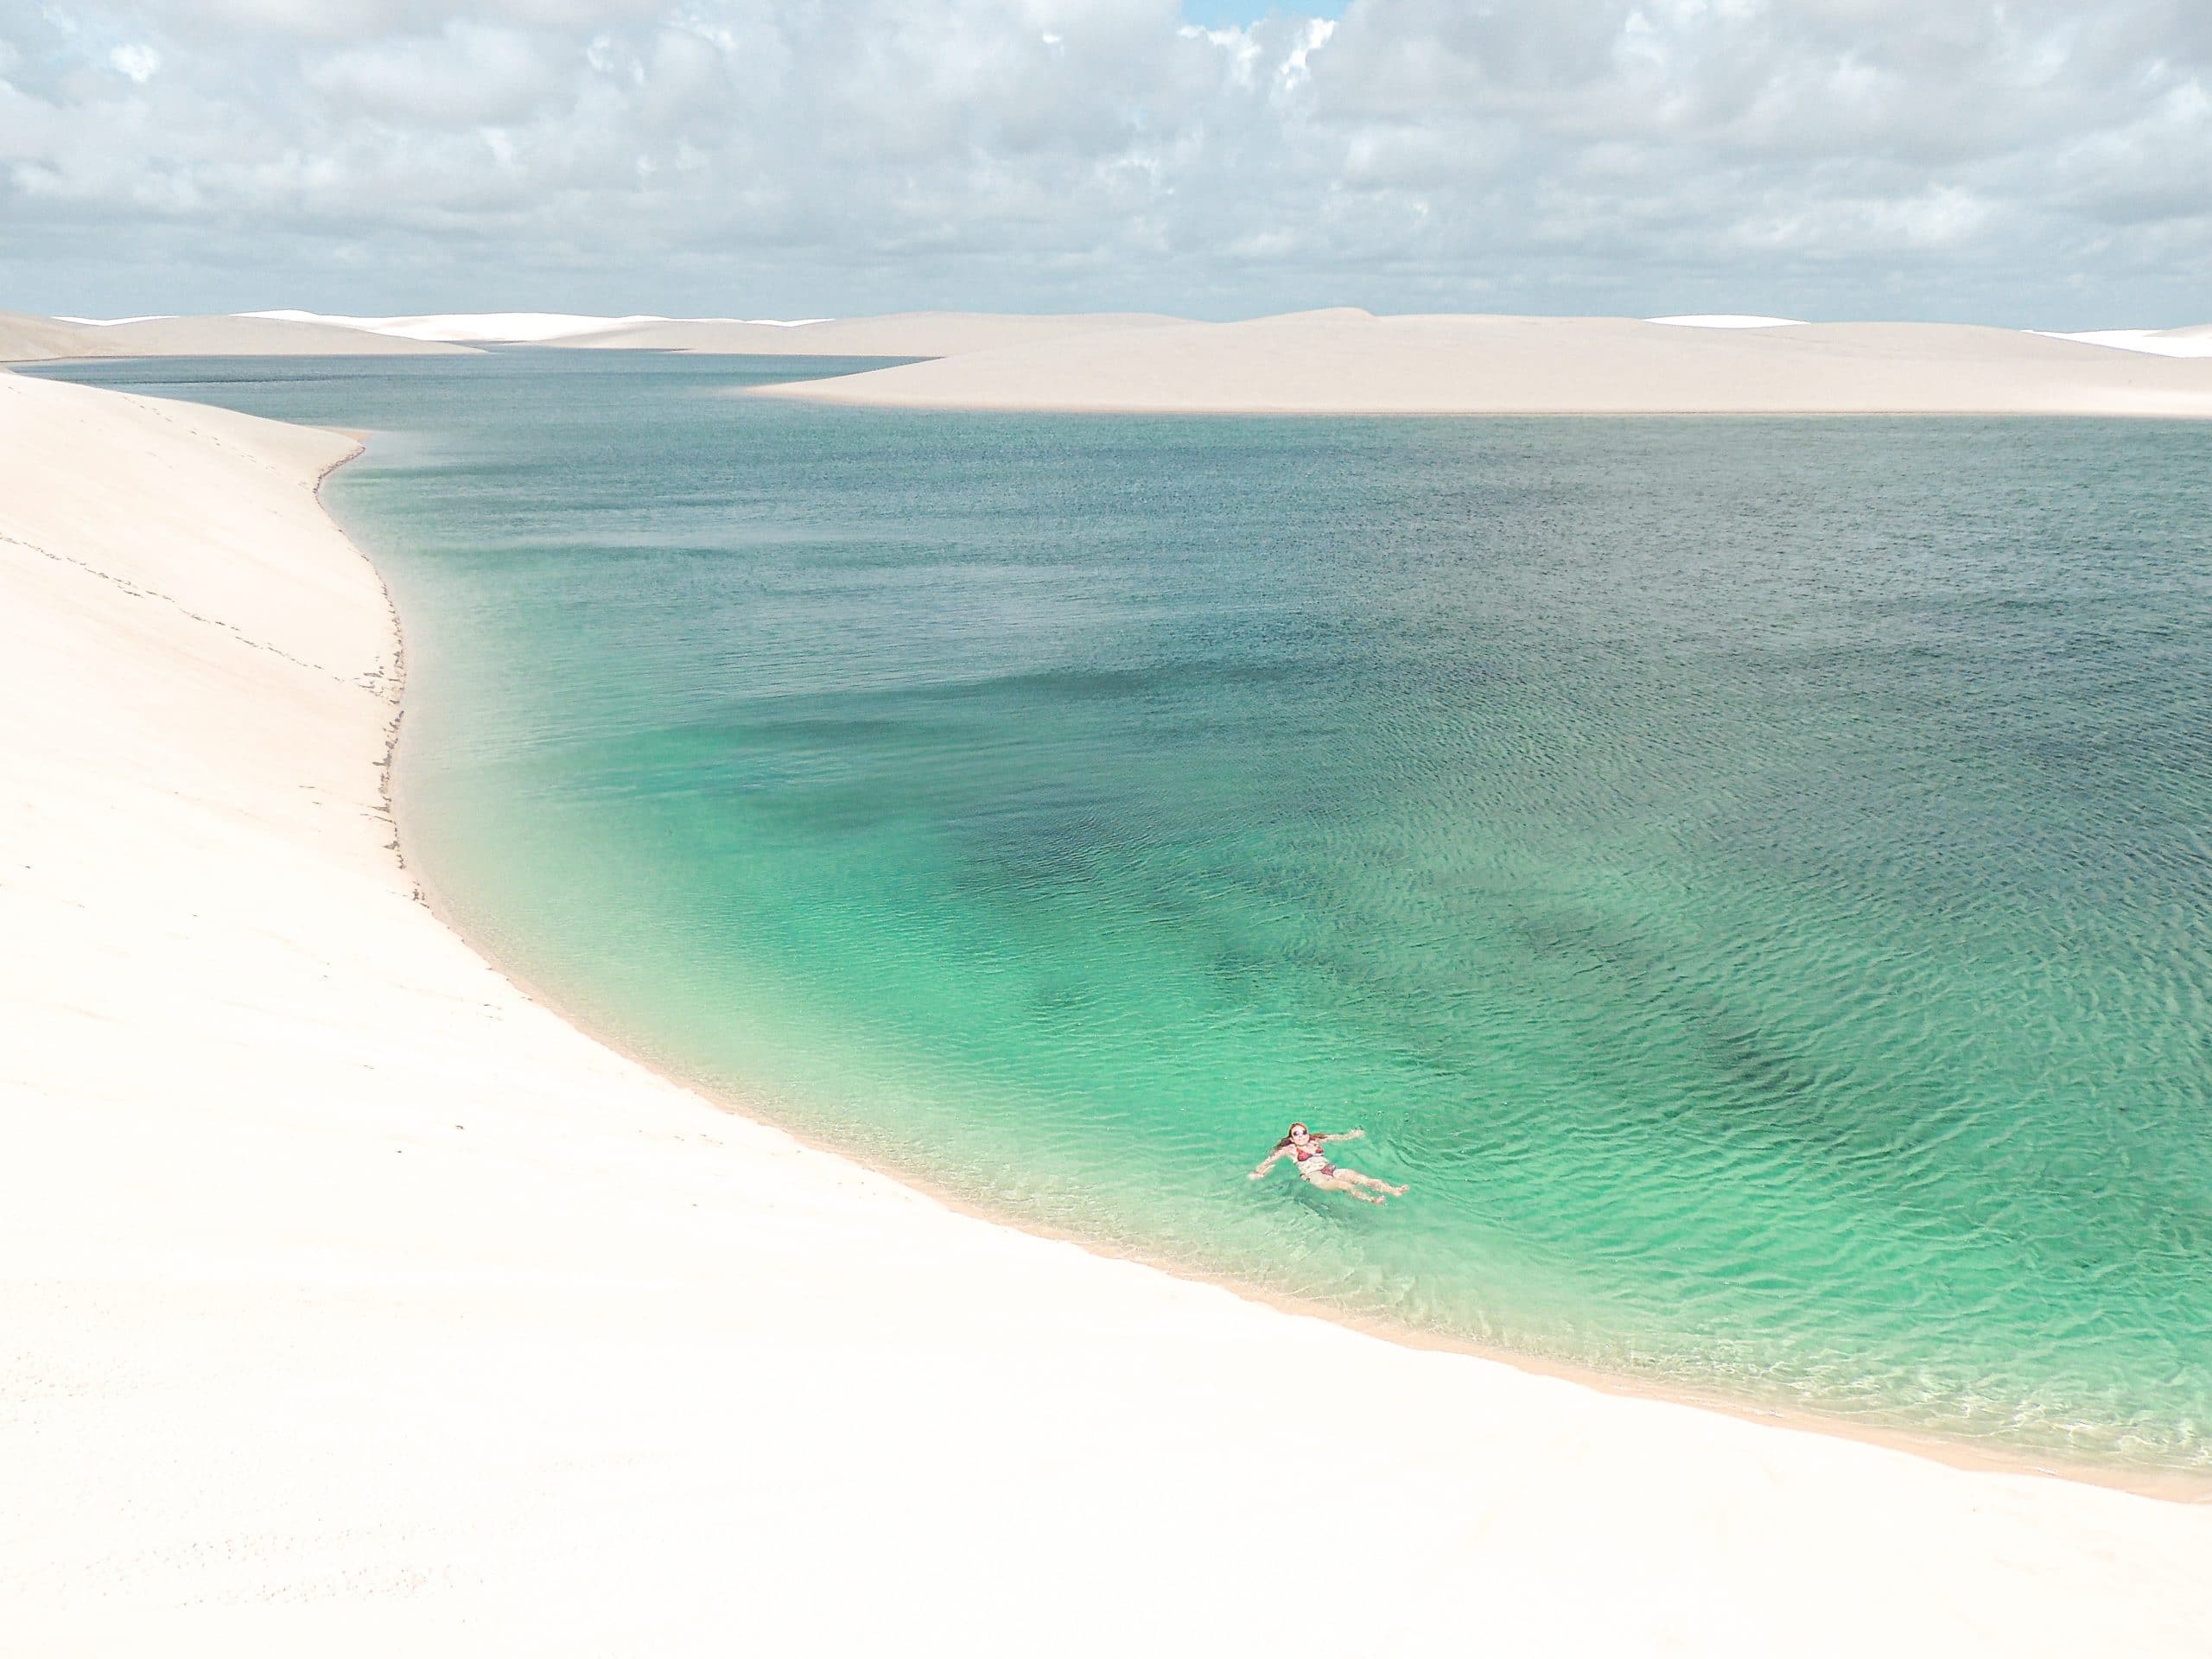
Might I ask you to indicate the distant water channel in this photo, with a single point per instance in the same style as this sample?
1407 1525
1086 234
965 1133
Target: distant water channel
1753 879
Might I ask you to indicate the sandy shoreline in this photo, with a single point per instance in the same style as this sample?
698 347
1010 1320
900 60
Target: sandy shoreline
908 335
1343 361
29 339
2165 1486
1347 362
358 1300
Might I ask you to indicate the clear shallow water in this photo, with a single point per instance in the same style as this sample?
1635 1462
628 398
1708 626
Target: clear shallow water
1752 878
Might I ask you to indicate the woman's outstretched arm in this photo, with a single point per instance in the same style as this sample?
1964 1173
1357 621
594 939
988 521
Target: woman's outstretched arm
1268 1162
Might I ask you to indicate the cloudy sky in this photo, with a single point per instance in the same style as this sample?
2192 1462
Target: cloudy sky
2038 162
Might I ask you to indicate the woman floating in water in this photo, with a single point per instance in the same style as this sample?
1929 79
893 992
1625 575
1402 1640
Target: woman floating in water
1303 1145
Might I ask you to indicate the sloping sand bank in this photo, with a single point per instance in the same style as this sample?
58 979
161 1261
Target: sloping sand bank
352 1304
915 334
25 338
473 328
30 340
2194 342
920 334
1347 362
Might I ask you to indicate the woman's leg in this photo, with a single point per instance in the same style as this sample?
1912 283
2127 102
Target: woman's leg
1335 1182
1371 1180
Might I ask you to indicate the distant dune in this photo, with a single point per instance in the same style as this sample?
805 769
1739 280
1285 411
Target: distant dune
1343 362
33 339
2195 341
1349 362
915 334
471 327
1727 320
920 334
28 339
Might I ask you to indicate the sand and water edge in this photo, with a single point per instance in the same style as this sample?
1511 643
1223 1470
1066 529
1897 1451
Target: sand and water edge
1142 1361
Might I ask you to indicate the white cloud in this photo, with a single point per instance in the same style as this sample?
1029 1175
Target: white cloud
135 63
464 75
1298 61
2032 161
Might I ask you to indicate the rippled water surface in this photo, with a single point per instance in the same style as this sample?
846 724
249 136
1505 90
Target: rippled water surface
1752 879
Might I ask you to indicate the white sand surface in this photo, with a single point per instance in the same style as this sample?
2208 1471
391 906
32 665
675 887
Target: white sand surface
919 333
1348 362
352 1304
922 333
2193 341
24 339
1727 320
471 328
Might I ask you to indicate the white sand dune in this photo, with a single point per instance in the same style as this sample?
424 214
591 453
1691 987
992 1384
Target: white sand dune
25 339
926 334
354 1305
471 328
1726 320
252 337
919 333
1349 362
2193 341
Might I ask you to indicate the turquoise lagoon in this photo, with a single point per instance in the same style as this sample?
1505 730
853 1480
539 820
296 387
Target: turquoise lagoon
1753 878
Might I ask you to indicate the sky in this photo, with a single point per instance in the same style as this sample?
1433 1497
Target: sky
2042 163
